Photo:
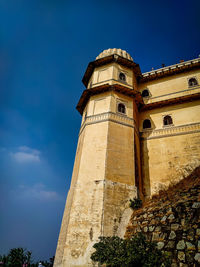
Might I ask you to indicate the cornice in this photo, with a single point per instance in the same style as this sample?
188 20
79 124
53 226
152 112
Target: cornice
171 131
106 88
108 116
170 70
109 59
170 101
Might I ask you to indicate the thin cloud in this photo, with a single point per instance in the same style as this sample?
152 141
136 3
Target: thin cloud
26 155
38 192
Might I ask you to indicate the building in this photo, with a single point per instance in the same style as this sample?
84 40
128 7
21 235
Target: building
139 133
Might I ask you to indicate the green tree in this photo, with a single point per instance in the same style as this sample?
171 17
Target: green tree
16 258
137 251
48 264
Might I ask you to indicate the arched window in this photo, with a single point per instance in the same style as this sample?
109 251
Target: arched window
145 93
192 82
167 120
146 124
122 76
121 108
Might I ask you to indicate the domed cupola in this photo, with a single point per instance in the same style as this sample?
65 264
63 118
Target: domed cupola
112 66
114 51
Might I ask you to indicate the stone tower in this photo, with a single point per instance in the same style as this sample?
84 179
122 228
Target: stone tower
106 171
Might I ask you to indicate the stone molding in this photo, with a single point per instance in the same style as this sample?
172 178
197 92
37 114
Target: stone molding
188 91
112 79
171 131
108 116
170 70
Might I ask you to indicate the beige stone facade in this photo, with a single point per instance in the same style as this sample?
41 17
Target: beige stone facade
139 133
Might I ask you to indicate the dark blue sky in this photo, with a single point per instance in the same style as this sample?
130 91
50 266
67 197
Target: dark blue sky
45 46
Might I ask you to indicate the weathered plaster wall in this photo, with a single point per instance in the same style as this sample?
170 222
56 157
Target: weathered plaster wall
169 153
110 74
182 114
169 159
170 87
103 180
107 165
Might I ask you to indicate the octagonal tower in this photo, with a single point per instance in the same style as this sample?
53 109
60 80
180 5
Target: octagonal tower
106 171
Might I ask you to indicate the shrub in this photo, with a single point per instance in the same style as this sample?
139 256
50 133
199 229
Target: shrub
136 203
137 251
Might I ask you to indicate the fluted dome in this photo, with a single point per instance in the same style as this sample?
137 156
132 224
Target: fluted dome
116 51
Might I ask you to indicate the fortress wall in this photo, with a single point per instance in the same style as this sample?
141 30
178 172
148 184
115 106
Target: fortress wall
170 87
169 159
120 177
83 212
66 215
169 153
182 114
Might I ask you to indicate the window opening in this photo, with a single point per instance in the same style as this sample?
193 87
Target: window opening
146 124
167 120
192 82
145 93
121 108
122 76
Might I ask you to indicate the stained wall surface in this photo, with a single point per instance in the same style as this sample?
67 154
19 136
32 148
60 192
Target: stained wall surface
170 152
103 179
171 87
109 74
117 158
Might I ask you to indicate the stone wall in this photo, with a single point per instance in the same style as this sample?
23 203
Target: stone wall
170 153
172 219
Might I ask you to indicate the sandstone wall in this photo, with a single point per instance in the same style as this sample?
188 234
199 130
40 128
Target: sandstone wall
170 153
171 86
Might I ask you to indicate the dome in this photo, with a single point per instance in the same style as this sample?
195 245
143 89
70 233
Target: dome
116 51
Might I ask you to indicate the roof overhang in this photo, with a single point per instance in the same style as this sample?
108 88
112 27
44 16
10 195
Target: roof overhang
109 59
106 88
172 101
170 70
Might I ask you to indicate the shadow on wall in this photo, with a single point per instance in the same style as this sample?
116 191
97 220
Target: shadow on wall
145 169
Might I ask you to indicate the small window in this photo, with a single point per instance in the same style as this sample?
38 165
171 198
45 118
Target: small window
145 93
122 76
121 108
146 124
192 82
167 120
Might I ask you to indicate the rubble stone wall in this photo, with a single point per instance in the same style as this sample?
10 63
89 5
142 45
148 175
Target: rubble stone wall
173 221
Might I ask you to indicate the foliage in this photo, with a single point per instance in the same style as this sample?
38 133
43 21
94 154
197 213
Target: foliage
137 251
48 264
136 203
18 257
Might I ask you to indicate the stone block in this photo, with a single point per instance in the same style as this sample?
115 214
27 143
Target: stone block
197 257
170 244
172 235
190 246
196 205
180 245
151 228
181 256
198 231
171 217
160 245
175 226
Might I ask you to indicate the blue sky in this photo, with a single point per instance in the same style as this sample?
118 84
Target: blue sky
45 46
